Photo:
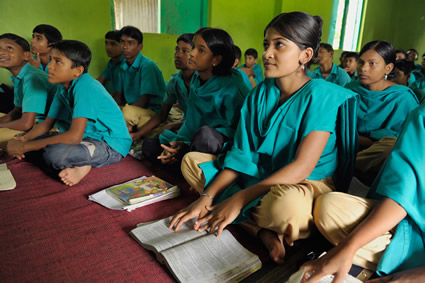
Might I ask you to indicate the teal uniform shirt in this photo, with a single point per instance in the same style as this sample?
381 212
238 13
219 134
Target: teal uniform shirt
419 83
355 76
112 73
33 92
402 179
420 92
245 78
416 74
216 103
141 78
382 113
258 72
268 135
337 75
87 98
177 91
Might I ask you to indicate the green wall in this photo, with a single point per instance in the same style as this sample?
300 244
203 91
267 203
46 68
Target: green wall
398 21
183 16
22 16
67 16
245 20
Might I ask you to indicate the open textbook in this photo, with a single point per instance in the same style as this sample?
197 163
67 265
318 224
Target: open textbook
7 182
194 256
125 190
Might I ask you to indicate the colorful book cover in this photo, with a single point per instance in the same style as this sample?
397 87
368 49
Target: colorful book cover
140 189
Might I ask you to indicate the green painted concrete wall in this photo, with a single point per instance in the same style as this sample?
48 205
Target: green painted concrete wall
183 16
398 21
69 18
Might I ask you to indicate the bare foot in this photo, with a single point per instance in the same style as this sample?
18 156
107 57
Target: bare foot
71 176
274 243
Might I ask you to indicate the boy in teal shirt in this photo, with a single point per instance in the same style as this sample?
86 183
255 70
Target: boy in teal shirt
92 128
42 37
251 68
246 79
141 85
327 69
177 89
110 76
32 91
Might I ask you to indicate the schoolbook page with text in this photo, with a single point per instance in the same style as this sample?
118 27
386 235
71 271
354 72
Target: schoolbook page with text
197 257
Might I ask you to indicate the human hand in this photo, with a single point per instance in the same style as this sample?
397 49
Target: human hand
170 153
224 213
15 147
197 209
35 61
336 262
411 275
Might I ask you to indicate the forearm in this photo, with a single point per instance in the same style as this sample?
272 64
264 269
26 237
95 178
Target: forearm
65 138
143 101
223 180
385 216
18 125
152 124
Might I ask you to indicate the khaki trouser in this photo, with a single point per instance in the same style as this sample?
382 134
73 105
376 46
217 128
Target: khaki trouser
337 214
6 134
137 116
191 171
370 160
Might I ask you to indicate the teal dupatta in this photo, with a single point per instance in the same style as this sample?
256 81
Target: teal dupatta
268 136
216 103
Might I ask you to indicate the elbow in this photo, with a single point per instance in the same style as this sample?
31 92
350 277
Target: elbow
75 140
26 126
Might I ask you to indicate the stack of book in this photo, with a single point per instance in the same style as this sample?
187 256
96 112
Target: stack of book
135 193
7 182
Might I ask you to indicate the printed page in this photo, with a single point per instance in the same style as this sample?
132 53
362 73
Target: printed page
211 259
157 235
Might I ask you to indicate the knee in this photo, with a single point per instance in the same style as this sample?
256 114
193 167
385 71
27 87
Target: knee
208 140
325 214
55 155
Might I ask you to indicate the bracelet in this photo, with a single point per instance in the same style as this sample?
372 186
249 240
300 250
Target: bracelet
207 195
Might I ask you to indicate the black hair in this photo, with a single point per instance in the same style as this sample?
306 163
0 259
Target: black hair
113 35
186 38
327 46
132 32
51 33
344 53
238 52
76 51
220 43
18 40
401 51
384 49
352 55
405 66
301 28
251 52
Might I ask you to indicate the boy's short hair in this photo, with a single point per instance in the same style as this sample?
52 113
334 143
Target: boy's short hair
327 46
51 33
238 52
186 37
113 35
19 40
251 52
352 55
76 51
405 66
132 32
401 51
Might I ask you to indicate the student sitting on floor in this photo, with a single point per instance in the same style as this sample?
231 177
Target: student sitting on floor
402 71
327 69
177 88
246 79
33 93
383 107
350 64
141 87
251 68
215 99
400 54
419 75
292 132
92 128
387 232
112 71
42 37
